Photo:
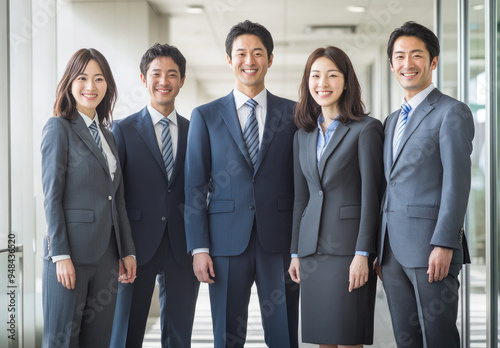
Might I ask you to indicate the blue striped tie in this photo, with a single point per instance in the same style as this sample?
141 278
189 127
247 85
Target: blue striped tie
251 132
97 138
166 142
400 127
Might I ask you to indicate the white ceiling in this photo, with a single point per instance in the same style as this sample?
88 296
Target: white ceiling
200 37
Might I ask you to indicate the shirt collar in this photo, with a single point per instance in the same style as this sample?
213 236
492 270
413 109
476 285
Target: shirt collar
419 98
331 126
88 120
156 116
240 98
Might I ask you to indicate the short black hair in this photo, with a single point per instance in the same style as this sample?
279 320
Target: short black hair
417 30
250 28
166 50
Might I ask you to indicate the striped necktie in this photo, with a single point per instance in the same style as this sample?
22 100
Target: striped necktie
400 127
166 141
251 132
97 138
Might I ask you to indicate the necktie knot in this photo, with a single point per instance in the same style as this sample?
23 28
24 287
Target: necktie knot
405 108
93 127
252 104
97 138
165 122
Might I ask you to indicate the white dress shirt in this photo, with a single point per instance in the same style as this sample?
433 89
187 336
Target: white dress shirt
417 99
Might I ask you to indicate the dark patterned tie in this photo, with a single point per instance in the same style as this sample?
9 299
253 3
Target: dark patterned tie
251 132
97 138
166 141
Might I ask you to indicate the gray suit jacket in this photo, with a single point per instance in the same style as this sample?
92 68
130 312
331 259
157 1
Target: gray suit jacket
336 206
429 181
81 203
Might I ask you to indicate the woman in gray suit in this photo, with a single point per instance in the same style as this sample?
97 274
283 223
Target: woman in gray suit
338 175
88 243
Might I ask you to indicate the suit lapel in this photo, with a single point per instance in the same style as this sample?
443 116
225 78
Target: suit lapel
274 114
111 143
147 133
416 118
312 161
391 122
230 117
337 137
182 130
81 129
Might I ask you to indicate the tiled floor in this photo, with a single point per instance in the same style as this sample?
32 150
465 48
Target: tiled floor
202 331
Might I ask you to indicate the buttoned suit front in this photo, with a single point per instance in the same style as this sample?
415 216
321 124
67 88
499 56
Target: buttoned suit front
87 220
428 184
244 216
155 210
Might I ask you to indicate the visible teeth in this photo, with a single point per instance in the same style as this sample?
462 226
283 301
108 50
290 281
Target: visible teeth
251 71
409 74
90 95
163 90
324 93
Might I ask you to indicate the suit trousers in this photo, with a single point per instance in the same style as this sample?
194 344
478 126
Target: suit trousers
178 292
423 314
230 296
81 317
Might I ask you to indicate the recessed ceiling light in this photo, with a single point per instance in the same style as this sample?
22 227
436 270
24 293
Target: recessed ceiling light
357 9
195 9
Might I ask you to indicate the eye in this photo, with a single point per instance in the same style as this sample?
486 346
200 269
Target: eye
333 75
156 75
173 75
81 78
99 79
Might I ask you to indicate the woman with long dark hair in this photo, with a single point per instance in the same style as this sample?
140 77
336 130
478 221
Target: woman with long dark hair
338 175
88 244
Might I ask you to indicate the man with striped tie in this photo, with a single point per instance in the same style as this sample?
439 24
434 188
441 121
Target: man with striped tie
239 197
427 164
152 147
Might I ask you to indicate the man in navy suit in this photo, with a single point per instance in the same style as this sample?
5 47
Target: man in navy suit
151 147
239 197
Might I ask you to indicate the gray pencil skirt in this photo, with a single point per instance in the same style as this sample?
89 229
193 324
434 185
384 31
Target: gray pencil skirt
330 313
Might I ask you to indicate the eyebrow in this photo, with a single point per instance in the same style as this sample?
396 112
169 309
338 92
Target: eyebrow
82 73
412 51
168 71
255 49
327 70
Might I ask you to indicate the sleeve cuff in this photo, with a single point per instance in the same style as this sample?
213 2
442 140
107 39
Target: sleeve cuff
60 258
362 253
294 256
200 250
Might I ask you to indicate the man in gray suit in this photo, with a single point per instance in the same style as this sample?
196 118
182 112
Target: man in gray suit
427 166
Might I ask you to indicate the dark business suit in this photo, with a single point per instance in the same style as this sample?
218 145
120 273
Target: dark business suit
154 207
336 213
428 186
247 221
86 219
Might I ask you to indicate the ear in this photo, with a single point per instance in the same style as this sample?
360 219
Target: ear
144 81
229 61
270 61
390 64
182 81
434 63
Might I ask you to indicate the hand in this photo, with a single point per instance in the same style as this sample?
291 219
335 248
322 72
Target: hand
66 273
127 269
294 270
203 268
377 268
439 263
358 272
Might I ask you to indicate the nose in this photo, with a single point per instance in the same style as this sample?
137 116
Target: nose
163 80
408 62
323 81
90 85
249 59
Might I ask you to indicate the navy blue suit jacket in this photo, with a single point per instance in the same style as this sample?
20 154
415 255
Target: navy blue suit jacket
153 202
224 194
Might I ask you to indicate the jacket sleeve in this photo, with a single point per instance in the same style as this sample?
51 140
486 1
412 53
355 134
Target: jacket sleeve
370 150
54 149
197 178
301 195
455 144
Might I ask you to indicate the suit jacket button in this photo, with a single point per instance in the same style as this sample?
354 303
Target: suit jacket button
163 218
110 198
321 193
169 191
252 208
393 183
